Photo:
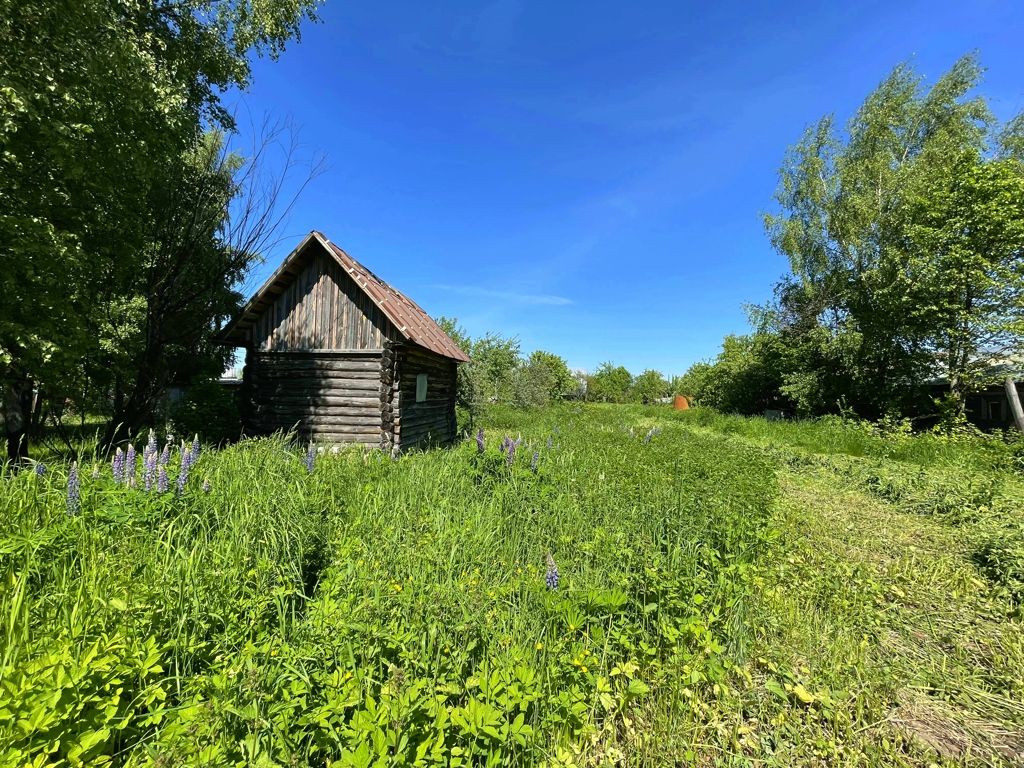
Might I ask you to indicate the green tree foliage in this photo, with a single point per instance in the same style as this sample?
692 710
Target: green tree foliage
610 383
744 378
100 104
497 372
649 387
966 256
904 241
550 375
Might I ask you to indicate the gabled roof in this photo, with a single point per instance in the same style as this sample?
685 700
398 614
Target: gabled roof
412 323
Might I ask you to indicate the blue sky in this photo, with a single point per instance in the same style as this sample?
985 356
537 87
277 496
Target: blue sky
589 177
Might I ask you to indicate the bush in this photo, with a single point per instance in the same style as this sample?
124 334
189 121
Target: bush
210 410
1001 558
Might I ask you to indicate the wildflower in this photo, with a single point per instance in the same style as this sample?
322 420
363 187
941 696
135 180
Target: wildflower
162 483
150 444
480 441
310 459
508 445
649 435
74 490
550 443
551 577
186 464
540 646
536 458
195 448
165 457
117 464
129 467
95 474
149 470
206 485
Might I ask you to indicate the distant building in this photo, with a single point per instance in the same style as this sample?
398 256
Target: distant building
989 407
337 354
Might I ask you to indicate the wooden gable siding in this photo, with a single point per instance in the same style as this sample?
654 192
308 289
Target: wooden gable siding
322 308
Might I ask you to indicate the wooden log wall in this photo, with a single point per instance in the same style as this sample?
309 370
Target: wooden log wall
324 396
322 308
389 396
431 422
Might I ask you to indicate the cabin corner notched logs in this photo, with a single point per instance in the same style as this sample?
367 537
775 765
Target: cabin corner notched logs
334 353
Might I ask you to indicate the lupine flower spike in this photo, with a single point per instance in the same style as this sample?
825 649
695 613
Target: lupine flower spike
551 577
162 483
74 491
186 465
119 467
310 459
550 443
165 457
150 445
129 467
40 469
149 467
536 458
480 441
195 448
508 446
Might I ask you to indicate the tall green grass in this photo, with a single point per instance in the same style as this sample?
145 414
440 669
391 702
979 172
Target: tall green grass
378 611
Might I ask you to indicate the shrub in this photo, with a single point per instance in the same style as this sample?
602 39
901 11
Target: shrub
210 410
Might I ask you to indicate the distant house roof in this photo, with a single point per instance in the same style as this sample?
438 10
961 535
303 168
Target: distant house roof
411 322
995 367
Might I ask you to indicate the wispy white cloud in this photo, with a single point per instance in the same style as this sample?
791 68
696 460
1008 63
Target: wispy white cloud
509 296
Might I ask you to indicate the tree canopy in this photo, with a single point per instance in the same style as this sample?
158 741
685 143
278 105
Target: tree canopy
103 106
904 237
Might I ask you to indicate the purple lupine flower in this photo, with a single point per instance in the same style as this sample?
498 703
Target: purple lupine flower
195 448
550 443
649 435
508 447
165 457
74 491
162 483
130 466
536 458
551 577
186 465
151 446
118 466
480 441
149 471
40 469
206 485
310 459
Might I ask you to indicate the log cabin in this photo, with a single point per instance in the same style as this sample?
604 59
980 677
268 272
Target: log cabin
337 355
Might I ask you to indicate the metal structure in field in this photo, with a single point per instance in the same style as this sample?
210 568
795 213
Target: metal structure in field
341 356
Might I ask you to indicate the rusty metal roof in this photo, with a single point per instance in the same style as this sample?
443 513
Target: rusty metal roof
411 322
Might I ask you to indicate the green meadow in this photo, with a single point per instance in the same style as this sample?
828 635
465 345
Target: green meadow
632 586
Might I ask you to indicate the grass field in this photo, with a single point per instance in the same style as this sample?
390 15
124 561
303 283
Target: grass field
729 592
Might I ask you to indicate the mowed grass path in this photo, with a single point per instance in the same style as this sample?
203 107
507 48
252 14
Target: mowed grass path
888 644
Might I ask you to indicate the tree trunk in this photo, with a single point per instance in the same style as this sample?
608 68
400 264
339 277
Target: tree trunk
1014 398
17 407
